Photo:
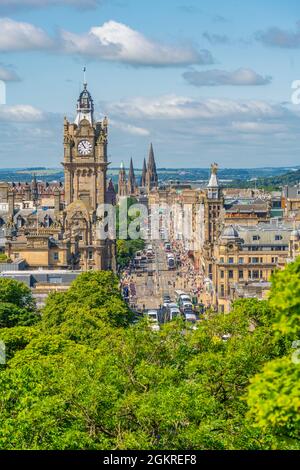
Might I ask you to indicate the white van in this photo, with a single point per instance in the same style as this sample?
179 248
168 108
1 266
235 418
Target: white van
153 317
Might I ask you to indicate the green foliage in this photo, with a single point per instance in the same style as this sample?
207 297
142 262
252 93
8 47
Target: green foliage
16 293
86 378
16 339
285 300
12 315
4 258
274 401
126 250
274 394
17 307
93 295
85 383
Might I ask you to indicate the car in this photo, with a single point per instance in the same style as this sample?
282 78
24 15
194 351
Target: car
166 298
186 306
190 316
172 305
184 298
174 313
154 319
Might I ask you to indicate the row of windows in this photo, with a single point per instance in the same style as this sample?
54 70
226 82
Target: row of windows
276 238
56 255
252 274
265 248
253 260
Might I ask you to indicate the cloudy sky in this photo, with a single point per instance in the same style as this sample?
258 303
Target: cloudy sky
203 80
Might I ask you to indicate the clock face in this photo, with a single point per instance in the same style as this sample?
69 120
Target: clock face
85 147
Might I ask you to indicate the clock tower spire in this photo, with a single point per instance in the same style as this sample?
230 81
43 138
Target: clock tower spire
85 104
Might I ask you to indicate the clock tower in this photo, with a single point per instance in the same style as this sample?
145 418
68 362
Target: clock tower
85 155
85 166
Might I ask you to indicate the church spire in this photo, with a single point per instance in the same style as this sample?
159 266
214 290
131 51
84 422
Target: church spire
85 104
152 178
131 180
144 174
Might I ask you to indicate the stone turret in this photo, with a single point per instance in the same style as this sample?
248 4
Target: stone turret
34 190
122 184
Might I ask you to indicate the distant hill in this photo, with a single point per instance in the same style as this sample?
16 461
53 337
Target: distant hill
272 183
269 178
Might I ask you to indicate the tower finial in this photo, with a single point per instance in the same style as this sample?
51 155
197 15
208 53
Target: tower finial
84 77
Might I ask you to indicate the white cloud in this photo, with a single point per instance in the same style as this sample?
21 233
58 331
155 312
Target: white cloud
178 107
259 127
129 128
240 77
18 36
20 113
8 75
118 42
112 41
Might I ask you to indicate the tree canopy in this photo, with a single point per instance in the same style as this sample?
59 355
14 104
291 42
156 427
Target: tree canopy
87 377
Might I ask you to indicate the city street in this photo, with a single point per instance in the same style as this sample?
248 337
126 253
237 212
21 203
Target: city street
147 288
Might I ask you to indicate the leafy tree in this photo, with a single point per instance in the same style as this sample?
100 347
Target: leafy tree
95 293
285 300
16 293
86 378
17 307
274 394
11 315
274 401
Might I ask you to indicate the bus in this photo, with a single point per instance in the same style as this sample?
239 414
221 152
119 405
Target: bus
171 262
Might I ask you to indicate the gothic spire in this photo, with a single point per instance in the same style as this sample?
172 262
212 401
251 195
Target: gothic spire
131 179
152 178
144 174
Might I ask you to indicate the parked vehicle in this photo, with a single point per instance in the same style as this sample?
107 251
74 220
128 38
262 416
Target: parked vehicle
174 312
184 298
166 298
190 317
168 246
149 253
154 319
186 306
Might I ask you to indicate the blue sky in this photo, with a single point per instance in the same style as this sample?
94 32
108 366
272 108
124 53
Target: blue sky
204 81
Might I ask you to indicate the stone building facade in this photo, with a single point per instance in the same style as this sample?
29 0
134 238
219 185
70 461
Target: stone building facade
68 232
